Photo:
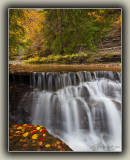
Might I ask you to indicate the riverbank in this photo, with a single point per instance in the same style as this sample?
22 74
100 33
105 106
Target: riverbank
107 55
26 137
115 67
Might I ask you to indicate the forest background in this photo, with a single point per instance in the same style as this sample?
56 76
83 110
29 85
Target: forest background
65 36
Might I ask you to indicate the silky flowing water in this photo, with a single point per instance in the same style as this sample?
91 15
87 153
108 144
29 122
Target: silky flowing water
81 108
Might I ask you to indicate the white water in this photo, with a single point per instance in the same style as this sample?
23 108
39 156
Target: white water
87 116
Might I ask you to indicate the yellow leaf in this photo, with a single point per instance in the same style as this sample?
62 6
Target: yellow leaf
23 130
25 134
38 128
47 145
34 136
17 132
19 127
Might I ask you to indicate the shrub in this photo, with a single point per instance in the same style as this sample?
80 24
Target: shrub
34 60
43 60
59 58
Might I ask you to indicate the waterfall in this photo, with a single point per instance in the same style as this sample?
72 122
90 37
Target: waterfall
81 108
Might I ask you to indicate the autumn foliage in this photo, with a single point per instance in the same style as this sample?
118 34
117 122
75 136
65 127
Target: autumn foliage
40 33
25 137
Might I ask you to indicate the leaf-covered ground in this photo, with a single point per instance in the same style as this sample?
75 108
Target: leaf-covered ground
26 137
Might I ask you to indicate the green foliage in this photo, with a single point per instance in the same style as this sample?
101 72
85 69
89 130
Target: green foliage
48 35
59 59
34 60
16 31
67 30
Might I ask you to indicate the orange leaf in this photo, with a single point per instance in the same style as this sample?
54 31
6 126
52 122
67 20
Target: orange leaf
25 145
39 149
59 147
58 142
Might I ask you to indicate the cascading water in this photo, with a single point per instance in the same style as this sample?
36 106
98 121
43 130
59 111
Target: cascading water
81 108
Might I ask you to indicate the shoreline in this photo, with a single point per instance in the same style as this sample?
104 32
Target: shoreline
115 67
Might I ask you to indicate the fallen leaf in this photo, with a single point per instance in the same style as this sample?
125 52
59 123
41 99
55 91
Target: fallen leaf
47 145
29 125
19 127
54 145
40 143
25 145
58 142
22 140
15 135
14 126
42 130
44 135
24 127
41 139
23 130
25 134
39 149
33 131
59 147
33 141
34 136
35 125
38 128
18 132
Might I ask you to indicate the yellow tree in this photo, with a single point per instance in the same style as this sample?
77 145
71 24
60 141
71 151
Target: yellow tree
34 29
26 31
16 31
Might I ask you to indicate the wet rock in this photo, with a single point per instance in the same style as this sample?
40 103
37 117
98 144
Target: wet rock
84 92
117 104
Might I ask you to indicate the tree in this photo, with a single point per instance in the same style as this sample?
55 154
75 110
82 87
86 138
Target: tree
16 31
58 31
25 31
67 30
